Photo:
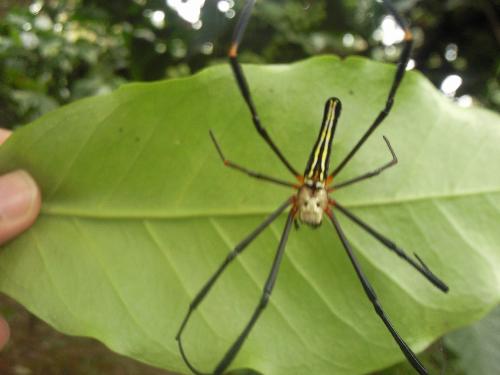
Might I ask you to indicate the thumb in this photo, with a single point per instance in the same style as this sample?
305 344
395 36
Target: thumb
19 200
19 203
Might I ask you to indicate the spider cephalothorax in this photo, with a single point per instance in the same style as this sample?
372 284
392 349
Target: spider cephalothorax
311 204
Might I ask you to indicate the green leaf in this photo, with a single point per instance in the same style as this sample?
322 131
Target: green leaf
477 346
139 211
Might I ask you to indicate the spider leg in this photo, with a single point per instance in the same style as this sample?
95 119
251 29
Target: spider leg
249 172
209 284
239 31
420 266
398 77
373 173
412 358
266 293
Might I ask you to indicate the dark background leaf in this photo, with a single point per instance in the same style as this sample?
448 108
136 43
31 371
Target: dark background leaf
477 346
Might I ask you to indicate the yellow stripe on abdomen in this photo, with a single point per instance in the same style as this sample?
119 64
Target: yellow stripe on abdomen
318 163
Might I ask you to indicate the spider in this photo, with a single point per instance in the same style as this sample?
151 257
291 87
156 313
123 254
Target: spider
312 200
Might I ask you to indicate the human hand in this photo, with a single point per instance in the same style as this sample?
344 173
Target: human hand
20 201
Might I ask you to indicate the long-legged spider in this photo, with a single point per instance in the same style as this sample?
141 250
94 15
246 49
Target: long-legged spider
312 199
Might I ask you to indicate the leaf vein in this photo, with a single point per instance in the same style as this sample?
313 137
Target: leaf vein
158 244
115 289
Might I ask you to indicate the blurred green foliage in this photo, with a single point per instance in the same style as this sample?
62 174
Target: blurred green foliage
53 52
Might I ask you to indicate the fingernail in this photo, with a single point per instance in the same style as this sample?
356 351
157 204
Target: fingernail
18 193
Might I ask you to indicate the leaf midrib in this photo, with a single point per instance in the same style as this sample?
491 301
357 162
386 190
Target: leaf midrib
61 212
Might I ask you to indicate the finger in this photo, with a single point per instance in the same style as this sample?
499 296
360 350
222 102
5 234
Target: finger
4 333
4 134
20 202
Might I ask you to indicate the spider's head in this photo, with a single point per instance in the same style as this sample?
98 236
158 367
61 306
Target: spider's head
311 203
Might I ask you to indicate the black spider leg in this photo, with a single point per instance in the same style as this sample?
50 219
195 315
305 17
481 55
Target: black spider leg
243 85
266 293
209 284
412 358
373 173
249 172
398 77
420 266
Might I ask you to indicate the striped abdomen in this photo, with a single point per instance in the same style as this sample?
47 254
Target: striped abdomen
317 166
